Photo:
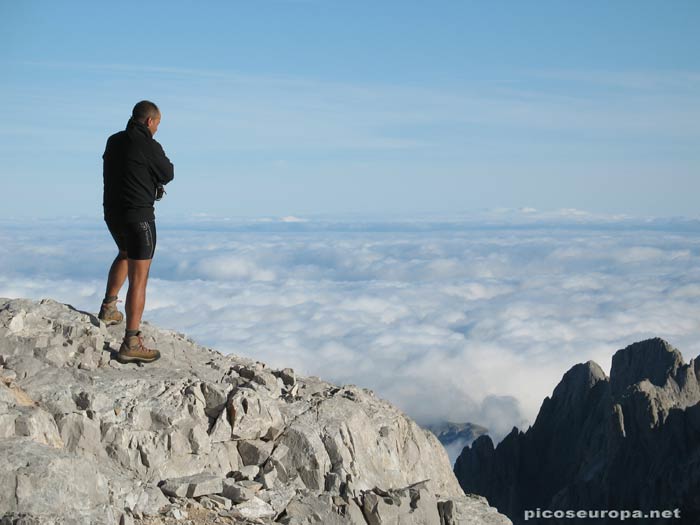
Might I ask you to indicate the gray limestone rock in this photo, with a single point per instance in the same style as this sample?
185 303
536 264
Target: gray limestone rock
240 491
379 510
47 482
268 478
254 508
353 513
287 375
215 502
37 425
309 507
254 415
214 397
248 472
89 440
221 501
307 456
415 503
469 509
223 458
178 514
279 498
254 452
259 375
193 486
81 434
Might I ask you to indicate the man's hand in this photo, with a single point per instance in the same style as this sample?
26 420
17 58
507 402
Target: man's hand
160 191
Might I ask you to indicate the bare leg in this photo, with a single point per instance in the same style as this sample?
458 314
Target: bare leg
117 275
136 296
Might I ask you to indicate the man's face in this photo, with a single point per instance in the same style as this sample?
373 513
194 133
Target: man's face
152 124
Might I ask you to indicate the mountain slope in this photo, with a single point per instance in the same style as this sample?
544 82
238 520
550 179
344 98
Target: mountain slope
88 440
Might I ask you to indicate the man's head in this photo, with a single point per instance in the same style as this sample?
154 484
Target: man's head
147 113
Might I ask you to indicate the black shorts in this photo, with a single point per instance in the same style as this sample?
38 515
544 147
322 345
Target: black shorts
137 239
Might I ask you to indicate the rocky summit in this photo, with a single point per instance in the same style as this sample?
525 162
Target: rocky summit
200 437
448 432
455 436
628 442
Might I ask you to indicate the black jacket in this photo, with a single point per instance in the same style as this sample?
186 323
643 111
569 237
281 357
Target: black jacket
134 165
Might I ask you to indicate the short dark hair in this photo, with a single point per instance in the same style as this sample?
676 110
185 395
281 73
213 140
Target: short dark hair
145 110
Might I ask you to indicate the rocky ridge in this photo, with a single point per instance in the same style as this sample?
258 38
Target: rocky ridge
629 441
455 436
449 432
200 437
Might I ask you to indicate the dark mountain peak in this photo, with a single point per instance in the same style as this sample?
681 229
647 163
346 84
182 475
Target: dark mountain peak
652 359
483 445
574 387
590 446
579 379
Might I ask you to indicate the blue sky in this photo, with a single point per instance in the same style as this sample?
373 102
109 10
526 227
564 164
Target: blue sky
309 107
532 134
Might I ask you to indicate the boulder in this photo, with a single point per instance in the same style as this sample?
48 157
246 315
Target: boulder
254 508
255 452
193 486
240 491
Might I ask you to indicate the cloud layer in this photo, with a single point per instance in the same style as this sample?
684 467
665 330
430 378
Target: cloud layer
450 321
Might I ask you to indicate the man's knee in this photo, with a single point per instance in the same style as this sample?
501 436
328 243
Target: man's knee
139 268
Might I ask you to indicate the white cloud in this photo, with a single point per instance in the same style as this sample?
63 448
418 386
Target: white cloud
449 321
224 267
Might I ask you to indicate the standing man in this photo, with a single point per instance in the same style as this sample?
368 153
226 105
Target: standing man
135 171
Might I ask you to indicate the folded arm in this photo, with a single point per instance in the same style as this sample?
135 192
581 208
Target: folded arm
160 165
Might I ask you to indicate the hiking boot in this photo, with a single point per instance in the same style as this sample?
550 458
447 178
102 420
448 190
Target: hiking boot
133 350
109 314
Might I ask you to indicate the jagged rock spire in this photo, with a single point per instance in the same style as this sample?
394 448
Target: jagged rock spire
631 440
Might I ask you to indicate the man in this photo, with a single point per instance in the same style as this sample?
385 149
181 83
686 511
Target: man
134 173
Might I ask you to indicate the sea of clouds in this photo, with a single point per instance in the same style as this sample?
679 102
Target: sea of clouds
461 319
